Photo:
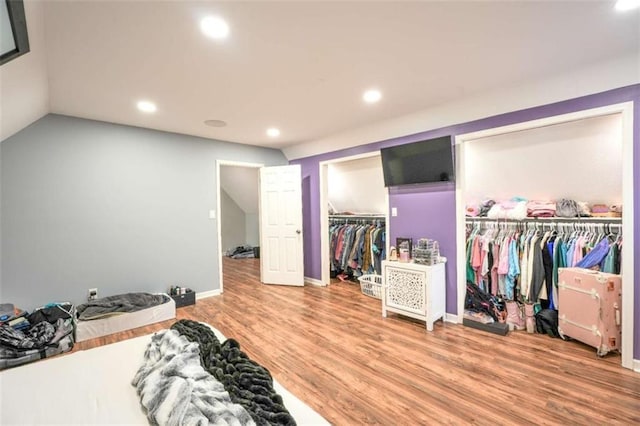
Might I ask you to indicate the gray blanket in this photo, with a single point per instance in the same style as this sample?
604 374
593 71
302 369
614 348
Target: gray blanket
175 389
122 303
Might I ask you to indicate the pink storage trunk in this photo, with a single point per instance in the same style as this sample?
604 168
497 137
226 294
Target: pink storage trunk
590 308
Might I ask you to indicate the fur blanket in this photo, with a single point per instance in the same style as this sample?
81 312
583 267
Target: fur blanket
175 389
247 382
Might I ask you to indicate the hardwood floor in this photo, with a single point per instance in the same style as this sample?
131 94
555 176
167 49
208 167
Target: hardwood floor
331 347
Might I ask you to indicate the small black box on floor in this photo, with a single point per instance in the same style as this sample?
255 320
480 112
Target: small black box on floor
495 327
184 299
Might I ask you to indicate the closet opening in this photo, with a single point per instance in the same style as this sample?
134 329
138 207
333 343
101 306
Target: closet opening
238 224
586 156
353 195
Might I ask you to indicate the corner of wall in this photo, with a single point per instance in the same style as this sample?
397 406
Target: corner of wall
313 281
25 80
452 318
205 294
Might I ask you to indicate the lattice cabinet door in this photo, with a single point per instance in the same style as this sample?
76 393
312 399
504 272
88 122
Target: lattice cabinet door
406 290
414 290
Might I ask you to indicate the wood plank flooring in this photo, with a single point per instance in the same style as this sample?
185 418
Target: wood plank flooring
331 347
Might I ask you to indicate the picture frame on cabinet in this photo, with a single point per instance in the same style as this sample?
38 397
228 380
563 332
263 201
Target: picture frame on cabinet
393 254
403 249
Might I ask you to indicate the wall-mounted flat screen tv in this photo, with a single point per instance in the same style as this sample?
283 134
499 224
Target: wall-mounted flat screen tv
425 161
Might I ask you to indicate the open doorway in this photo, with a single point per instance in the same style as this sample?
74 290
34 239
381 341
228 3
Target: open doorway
238 221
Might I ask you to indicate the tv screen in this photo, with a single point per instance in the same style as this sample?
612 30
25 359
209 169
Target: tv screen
419 162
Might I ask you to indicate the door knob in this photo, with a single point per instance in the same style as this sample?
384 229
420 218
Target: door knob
298 231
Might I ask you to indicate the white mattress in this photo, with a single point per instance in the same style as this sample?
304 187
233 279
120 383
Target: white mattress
94 387
86 330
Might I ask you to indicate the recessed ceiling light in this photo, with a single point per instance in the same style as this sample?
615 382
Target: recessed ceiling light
273 132
624 5
146 106
214 27
215 123
372 96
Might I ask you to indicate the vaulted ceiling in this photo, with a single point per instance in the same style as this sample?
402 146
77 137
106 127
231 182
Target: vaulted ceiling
303 66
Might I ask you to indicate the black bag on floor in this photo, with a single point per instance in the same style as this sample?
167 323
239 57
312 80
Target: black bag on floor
479 300
547 322
51 313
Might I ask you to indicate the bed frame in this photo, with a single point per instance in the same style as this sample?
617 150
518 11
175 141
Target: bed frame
86 330
94 387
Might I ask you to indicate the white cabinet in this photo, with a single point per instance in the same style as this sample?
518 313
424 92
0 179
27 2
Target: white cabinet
414 290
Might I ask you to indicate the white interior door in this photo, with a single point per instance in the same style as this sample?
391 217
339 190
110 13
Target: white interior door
281 260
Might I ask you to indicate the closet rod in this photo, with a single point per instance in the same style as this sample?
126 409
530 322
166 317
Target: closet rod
357 216
362 219
594 220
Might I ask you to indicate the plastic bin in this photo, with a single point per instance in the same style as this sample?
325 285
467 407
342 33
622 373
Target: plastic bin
371 285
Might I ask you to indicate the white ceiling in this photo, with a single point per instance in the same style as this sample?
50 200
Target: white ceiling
302 66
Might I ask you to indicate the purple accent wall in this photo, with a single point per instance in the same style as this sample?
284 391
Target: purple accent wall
307 221
425 211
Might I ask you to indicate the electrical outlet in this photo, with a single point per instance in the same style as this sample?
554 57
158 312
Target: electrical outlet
93 294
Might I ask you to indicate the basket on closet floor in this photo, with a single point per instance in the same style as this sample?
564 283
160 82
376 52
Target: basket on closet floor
371 285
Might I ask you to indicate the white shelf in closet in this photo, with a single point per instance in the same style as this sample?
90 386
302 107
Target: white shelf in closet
548 219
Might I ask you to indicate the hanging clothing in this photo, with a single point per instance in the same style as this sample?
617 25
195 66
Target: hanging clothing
356 249
522 262
595 256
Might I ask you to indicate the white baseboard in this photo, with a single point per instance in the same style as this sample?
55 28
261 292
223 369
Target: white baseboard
636 365
204 294
451 318
313 281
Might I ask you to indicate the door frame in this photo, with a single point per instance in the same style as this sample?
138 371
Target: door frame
625 109
324 213
220 163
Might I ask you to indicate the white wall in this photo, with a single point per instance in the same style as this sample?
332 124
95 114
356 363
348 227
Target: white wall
232 219
241 187
616 73
241 183
581 160
24 86
252 229
357 186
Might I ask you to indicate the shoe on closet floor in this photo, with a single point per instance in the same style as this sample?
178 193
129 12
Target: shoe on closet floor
515 318
530 320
